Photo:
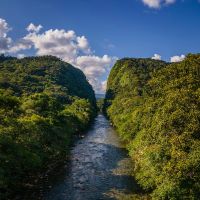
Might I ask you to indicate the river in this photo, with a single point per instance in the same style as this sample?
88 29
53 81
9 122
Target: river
98 167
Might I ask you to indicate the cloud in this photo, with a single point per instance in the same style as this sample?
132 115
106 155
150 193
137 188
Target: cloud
21 56
157 3
20 45
156 57
83 44
104 85
100 86
54 42
61 43
95 67
177 58
5 41
64 44
33 28
91 64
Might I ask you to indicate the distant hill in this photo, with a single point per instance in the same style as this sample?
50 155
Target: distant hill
100 96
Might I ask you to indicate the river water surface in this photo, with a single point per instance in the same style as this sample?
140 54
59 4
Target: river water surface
98 165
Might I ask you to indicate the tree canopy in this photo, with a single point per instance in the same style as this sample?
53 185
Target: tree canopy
155 107
43 103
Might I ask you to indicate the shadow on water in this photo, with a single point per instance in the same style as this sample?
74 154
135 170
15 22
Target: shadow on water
98 165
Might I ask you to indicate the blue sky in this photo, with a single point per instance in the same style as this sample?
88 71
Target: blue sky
115 28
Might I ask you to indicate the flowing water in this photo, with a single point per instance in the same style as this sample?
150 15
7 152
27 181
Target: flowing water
98 166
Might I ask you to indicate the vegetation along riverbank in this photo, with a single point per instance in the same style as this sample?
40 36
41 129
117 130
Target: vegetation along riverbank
155 107
43 103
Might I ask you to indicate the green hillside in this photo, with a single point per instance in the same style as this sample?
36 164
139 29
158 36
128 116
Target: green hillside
155 108
43 103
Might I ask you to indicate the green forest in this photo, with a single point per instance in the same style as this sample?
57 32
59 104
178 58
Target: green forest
44 102
153 105
155 108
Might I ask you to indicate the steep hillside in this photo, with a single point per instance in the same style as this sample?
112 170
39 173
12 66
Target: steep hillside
45 74
127 87
43 102
155 107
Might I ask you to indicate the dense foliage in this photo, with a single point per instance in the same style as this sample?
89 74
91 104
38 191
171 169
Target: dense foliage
43 102
155 107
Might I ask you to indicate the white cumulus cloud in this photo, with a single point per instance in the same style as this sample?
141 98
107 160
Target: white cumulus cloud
104 85
157 3
20 45
156 56
7 45
5 41
83 44
177 58
33 28
91 64
56 42
95 67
